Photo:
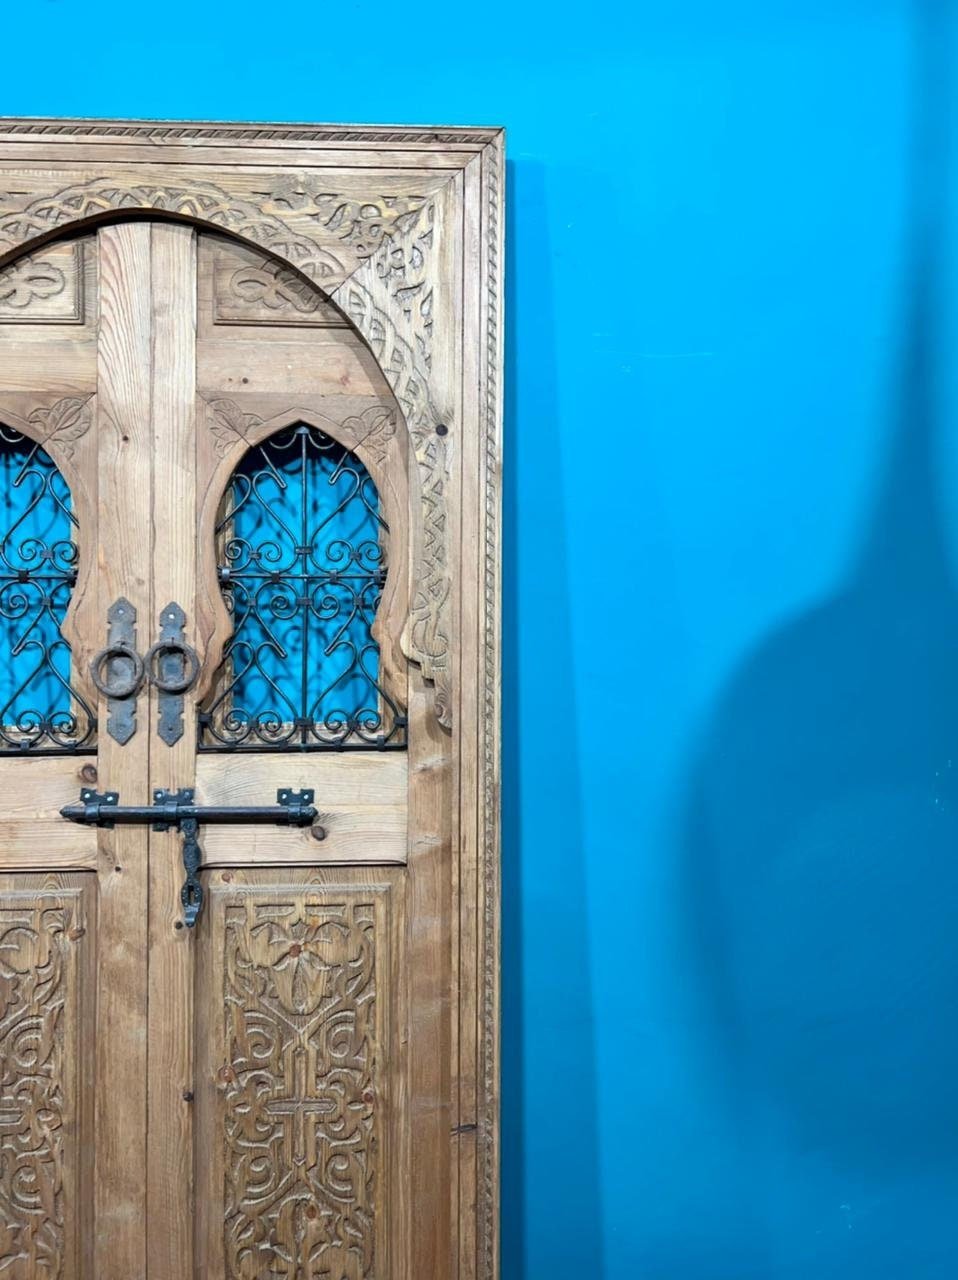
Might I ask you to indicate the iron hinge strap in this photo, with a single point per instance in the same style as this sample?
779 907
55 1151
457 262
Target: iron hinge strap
175 810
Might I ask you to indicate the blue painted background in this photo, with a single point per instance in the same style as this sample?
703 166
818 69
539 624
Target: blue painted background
731 704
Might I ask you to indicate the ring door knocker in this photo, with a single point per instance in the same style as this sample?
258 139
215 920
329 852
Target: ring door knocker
118 671
172 667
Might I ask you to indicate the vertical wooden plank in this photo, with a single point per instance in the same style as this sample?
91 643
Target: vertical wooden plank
124 362
170 1157
433 785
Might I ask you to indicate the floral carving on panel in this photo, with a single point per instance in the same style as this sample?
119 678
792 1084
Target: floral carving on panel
34 959
300 1085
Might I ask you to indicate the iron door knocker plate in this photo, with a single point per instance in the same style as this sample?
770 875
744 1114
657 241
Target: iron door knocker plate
117 671
172 667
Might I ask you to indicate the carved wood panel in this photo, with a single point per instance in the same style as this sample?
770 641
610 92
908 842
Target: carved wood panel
302 1073
45 938
46 287
254 288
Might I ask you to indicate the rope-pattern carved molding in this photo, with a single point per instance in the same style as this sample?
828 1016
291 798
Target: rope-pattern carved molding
426 637
179 131
487 1197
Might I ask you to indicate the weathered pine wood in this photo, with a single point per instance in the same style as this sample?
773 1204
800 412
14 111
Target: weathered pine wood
33 836
173 569
124 568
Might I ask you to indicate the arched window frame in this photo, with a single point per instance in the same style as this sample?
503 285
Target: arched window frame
372 437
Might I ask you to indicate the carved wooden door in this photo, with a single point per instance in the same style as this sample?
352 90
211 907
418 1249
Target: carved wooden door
247 997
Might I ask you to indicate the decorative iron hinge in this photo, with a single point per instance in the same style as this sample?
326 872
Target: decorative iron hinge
175 811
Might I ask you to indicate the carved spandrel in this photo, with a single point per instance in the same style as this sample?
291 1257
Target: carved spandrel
45 287
300 1083
39 1008
64 422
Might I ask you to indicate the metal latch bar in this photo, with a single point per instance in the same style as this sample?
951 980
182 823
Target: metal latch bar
176 810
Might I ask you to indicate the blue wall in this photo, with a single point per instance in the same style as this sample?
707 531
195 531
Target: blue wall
731 806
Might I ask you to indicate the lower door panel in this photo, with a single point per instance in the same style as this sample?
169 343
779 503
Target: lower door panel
299 1081
47 999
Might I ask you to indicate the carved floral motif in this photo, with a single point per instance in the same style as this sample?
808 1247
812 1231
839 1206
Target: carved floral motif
373 429
300 1088
227 422
405 266
275 287
363 224
64 422
30 280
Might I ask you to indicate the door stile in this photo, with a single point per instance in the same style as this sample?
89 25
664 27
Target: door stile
124 392
171 955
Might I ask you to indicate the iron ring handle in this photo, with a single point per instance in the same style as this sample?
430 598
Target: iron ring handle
191 666
117 688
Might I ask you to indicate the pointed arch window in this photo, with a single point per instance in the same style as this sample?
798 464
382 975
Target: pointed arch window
40 707
302 547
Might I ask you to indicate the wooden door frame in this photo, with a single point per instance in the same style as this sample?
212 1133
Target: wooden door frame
402 228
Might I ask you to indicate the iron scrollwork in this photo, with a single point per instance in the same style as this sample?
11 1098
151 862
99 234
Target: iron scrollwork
40 709
302 569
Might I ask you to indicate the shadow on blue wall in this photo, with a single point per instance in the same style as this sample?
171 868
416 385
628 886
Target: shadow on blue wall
820 864
549 1069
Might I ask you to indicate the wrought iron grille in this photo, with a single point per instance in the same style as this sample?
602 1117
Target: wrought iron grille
40 709
302 569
